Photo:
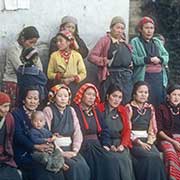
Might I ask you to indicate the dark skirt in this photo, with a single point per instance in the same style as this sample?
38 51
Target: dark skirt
122 78
9 173
147 164
38 172
106 165
157 90
78 169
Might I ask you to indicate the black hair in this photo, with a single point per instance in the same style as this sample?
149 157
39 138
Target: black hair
30 88
27 33
172 88
112 88
137 85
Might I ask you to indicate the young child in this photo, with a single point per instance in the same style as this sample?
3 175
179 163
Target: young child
53 161
29 75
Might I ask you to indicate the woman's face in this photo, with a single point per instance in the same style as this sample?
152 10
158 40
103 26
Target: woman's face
62 98
31 100
147 31
114 99
174 97
70 27
89 97
142 94
4 109
117 30
29 43
62 43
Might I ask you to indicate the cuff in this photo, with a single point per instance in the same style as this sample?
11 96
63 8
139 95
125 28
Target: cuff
147 60
58 76
161 59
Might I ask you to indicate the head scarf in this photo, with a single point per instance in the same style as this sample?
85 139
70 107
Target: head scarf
53 91
4 98
143 21
69 19
78 99
117 19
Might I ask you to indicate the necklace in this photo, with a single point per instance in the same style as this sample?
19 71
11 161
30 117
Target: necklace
172 111
65 55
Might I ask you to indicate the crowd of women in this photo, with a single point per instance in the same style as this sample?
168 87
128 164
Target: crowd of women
56 127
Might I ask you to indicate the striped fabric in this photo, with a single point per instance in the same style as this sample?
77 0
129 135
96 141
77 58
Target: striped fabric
171 158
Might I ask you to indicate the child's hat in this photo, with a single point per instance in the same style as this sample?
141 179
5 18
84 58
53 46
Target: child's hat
4 98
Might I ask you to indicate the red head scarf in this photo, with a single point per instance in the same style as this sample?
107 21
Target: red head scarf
78 100
4 98
143 21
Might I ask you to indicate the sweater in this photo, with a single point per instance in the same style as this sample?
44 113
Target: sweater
139 55
13 62
74 67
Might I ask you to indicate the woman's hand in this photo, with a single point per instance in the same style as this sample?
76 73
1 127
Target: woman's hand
176 145
113 148
120 148
44 147
145 146
106 148
68 80
69 154
155 60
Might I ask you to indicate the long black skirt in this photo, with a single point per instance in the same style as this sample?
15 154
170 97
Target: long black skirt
106 165
78 169
7 172
147 164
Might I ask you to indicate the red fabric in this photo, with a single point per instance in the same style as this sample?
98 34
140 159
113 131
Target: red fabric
171 158
4 98
143 21
125 134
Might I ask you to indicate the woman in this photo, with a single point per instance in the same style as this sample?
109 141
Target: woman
146 158
62 120
23 146
70 23
103 163
113 57
150 59
168 118
27 38
7 165
66 65
116 118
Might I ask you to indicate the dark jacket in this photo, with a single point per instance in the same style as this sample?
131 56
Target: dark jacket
8 154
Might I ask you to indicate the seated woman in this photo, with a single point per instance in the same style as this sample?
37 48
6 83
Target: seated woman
103 163
116 118
62 120
66 65
23 146
70 23
146 158
168 123
7 165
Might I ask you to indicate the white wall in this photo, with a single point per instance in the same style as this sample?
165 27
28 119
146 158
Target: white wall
93 16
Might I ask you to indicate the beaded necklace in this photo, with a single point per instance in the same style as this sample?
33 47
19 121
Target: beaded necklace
66 55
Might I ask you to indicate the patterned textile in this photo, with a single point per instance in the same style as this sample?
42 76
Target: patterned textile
171 158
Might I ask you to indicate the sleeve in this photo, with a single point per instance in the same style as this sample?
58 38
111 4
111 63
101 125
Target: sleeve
48 116
12 56
139 58
39 64
81 69
95 55
36 137
20 135
83 50
126 132
104 135
51 67
77 135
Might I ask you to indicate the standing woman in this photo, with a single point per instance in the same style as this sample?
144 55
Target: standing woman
23 146
146 158
113 57
70 24
103 163
62 120
27 38
7 165
116 118
168 121
150 59
66 65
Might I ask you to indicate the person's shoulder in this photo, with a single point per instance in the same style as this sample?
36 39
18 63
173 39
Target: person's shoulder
135 39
